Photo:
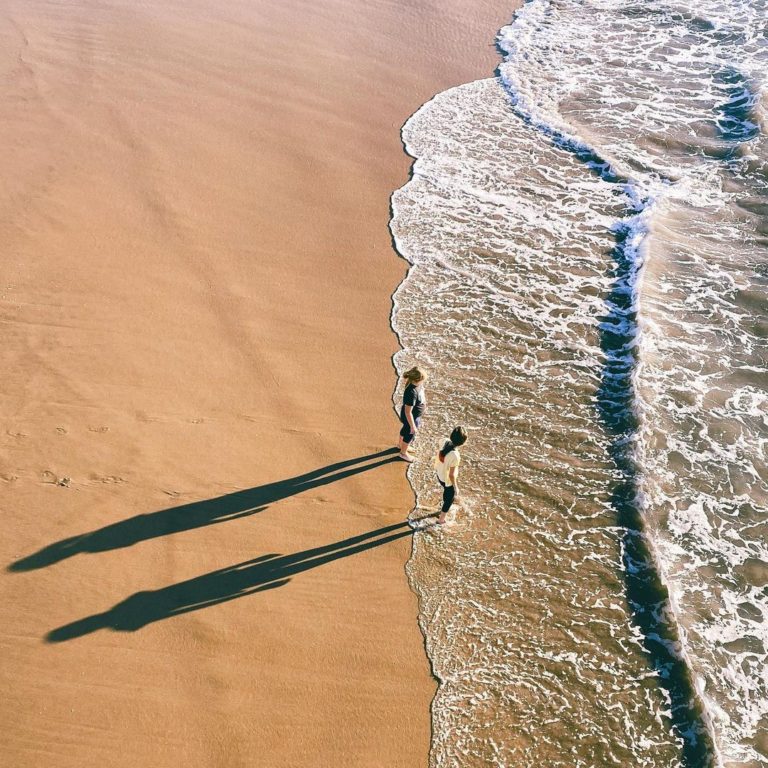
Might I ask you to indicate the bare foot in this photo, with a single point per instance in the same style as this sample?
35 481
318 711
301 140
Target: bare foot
441 519
406 457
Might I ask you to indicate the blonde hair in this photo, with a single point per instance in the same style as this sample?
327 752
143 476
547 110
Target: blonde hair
414 375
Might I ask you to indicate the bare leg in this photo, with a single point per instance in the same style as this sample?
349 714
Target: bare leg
403 447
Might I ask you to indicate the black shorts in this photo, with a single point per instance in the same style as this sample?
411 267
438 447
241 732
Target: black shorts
406 432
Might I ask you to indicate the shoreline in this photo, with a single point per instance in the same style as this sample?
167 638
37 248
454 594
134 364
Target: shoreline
202 522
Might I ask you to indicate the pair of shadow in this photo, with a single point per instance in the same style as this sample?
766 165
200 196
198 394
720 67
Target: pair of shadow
262 573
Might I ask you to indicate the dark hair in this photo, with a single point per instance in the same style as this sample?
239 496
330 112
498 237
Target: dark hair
458 437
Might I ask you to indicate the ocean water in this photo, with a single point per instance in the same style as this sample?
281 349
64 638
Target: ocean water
587 230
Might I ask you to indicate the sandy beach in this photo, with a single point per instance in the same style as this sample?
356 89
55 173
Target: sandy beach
203 550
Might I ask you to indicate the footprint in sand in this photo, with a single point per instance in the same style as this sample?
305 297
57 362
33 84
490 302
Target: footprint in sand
100 430
54 479
145 417
62 430
111 479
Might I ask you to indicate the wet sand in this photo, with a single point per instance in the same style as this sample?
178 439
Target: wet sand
203 544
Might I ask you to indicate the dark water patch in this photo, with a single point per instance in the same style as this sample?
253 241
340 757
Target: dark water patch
698 23
735 116
756 205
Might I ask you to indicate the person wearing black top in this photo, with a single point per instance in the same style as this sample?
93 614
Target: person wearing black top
414 404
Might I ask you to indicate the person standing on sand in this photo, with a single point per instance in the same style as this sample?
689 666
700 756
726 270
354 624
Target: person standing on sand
414 403
447 465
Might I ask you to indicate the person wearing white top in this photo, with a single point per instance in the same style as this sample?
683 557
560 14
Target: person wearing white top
447 464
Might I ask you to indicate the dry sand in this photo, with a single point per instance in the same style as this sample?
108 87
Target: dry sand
195 301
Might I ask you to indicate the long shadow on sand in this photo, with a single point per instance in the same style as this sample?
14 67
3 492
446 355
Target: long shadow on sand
247 578
128 532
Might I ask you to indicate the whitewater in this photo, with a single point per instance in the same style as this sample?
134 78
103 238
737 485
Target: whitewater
587 237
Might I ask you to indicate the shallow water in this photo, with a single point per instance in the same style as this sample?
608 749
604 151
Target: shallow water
587 236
